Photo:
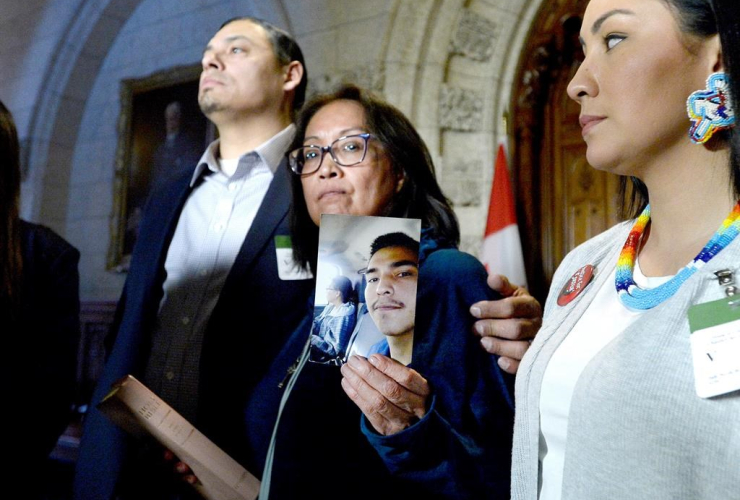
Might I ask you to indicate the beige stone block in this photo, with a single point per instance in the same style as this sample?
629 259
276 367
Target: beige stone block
53 203
90 200
426 98
310 16
82 78
354 10
103 34
409 30
361 43
69 116
460 108
399 85
320 53
437 42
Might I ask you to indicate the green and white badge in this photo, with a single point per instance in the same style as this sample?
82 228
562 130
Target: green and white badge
288 270
715 346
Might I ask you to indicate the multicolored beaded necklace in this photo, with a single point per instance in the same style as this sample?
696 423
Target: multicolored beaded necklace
635 297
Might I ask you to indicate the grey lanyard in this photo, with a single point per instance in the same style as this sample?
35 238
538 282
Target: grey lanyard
267 473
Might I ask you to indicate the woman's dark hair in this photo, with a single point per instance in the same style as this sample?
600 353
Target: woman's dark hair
11 263
420 197
728 27
697 18
343 285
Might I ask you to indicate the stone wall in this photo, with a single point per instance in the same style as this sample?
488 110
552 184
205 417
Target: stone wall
448 64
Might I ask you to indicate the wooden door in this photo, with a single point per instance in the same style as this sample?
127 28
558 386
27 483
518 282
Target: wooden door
562 201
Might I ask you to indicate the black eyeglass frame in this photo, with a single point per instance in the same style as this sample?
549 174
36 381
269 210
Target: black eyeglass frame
366 136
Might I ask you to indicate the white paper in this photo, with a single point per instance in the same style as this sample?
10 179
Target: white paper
288 270
716 356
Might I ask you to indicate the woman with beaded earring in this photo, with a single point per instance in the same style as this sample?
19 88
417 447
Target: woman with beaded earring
632 387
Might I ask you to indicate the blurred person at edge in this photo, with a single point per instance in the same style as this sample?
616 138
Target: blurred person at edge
39 310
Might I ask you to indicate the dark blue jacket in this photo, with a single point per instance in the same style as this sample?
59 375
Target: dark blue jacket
41 352
462 446
254 316
462 449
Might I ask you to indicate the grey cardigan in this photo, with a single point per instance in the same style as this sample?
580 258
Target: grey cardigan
637 429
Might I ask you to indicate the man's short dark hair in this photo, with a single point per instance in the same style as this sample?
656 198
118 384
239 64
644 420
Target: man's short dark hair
286 50
399 239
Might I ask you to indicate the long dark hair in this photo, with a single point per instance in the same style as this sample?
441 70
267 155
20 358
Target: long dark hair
11 262
697 18
420 197
728 27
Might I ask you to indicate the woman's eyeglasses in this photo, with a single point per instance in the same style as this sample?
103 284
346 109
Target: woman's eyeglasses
346 151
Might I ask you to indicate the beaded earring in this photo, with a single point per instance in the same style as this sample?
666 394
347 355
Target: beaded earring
710 109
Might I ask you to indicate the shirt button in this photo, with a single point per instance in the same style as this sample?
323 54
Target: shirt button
185 320
203 272
170 375
219 227
232 186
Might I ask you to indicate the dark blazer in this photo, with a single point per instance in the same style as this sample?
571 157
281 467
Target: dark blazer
255 314
39 366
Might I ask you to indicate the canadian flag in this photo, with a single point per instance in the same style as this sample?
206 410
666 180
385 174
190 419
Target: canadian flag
502 247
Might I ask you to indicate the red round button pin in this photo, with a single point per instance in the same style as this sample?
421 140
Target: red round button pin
575 285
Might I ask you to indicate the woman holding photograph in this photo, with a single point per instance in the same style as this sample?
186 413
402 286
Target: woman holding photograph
450 438
610 398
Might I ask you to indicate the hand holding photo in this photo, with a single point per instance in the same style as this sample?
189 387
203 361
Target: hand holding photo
365 299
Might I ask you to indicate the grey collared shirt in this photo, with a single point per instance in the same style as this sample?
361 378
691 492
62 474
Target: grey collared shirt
209 234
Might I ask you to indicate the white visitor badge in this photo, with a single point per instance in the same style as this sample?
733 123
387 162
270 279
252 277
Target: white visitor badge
715 346
288 270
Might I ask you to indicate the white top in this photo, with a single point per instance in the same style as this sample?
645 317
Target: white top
603 321
210 232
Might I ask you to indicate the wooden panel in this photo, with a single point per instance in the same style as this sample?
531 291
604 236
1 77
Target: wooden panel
563 201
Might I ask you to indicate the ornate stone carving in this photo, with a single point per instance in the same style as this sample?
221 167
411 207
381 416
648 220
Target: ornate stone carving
460 109
370 77
475 37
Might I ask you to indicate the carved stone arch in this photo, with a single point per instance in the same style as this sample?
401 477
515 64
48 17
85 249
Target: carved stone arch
449 67
67 82
61 102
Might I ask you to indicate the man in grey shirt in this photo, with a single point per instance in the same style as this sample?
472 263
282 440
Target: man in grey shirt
206 304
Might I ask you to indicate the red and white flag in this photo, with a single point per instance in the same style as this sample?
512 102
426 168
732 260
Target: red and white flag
502 247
